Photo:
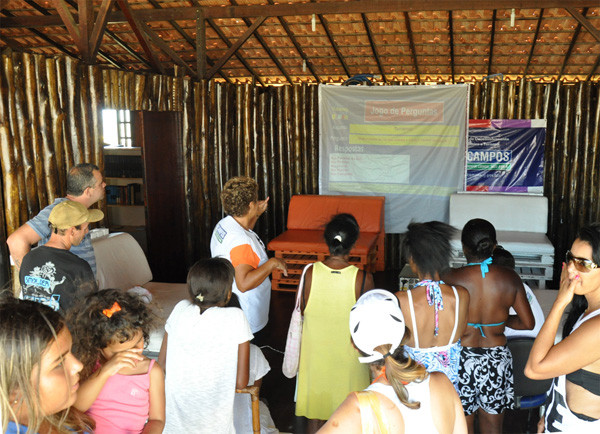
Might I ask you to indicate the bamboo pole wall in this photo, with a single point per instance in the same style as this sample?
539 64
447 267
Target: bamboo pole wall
50 119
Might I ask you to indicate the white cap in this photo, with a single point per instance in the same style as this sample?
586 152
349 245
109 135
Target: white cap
376 319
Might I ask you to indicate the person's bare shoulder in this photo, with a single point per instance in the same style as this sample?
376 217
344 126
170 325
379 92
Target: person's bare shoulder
346 419
509 277
462 291
401 296
456 276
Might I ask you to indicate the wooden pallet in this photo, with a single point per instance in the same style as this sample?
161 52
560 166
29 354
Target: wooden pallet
296 261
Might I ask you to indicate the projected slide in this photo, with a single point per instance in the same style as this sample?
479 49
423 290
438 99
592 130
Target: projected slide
406 143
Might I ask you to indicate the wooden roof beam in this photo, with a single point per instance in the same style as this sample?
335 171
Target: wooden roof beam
86 24
582 20
293 9
86 29
233 48
99 28
594 68
176 26
263 43
104 55
12 43
127 48
190 41
334 45
535 37
451 32
69 22
135 26
40 35
202 58
491 55
225 39
156 40
290 35
373 47
200 47
571 46
411 43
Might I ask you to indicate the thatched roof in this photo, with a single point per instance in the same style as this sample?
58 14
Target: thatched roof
274 41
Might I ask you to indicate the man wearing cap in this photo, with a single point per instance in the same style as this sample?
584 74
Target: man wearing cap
51 274
84 185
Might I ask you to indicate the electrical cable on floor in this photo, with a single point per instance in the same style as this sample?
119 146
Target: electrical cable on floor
271 348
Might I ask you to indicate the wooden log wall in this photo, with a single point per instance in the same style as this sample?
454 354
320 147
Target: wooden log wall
50 119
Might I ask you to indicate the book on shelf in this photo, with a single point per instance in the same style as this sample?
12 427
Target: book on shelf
130 194
123 166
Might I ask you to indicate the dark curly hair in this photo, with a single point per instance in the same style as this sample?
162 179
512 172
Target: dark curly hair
428 244
237 194
93 331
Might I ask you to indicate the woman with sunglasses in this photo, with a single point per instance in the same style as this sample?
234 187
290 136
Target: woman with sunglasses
574 400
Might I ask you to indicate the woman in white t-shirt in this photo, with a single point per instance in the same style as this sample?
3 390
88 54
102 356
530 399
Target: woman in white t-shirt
234 240
205 353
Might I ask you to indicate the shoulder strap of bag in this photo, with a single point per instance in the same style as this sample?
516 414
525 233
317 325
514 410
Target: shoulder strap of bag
301 285
370 412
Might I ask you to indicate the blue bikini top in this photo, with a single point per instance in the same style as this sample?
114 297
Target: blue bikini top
484 266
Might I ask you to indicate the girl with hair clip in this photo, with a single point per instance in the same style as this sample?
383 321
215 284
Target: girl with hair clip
122 390
403 397
39 376
573 403
437 312
205 352
328 369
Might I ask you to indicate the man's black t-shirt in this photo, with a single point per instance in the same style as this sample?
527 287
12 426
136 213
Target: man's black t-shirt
55 277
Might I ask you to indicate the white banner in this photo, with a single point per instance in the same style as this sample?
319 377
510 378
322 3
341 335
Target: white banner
406 143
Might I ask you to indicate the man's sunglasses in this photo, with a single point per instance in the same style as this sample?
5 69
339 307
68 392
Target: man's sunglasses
581 264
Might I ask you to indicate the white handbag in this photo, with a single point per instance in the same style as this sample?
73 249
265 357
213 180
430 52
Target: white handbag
291 358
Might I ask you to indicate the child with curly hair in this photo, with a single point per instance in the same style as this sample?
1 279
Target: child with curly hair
120 388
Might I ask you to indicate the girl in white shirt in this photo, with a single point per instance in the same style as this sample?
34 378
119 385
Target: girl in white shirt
205 353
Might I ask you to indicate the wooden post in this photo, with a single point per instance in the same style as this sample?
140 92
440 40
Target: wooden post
200 44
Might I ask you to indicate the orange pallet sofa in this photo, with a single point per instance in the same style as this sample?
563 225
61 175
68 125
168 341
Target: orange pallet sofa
303 243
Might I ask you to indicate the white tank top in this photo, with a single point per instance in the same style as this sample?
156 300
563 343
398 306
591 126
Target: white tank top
418 420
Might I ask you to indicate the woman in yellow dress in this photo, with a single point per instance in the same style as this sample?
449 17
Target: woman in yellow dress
328 368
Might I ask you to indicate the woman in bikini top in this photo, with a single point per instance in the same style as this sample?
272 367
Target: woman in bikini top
493 290
436 313
575 359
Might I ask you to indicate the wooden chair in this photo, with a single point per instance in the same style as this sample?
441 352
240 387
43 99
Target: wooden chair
253 391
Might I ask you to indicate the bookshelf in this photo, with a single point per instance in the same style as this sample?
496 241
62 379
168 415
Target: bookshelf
146 194
123 174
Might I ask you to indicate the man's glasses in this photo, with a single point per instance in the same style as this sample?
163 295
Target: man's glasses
581 264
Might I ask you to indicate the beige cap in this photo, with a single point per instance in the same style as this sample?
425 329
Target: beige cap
69 213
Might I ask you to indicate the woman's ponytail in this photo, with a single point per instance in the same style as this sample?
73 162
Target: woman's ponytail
401 370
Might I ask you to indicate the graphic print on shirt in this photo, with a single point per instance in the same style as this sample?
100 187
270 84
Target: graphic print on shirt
40 284
220 233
